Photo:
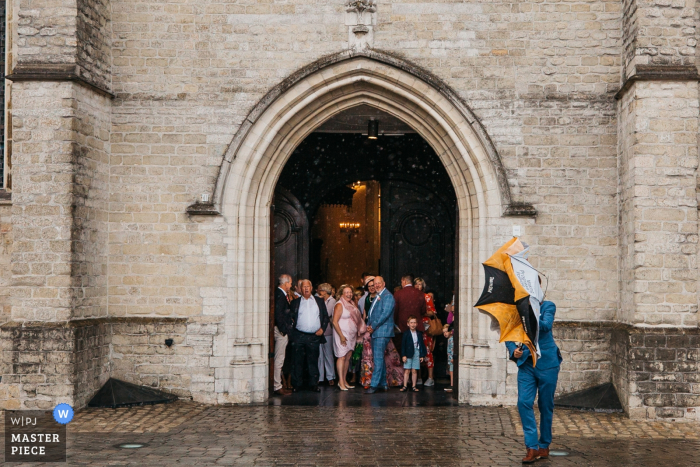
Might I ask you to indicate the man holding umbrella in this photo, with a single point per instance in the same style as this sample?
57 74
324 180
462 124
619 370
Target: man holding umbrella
513 297
533 379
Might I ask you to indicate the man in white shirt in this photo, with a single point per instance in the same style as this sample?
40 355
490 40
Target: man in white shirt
310 320
326 363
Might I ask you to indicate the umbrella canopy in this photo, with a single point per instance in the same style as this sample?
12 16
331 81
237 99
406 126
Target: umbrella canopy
512 295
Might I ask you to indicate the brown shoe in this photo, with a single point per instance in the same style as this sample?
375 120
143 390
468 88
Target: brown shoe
531 456
543 453
283 392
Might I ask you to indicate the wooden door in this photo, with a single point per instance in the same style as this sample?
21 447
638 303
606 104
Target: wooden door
418 237
291 236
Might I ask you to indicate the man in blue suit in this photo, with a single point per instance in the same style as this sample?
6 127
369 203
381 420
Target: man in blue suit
541 378
380 323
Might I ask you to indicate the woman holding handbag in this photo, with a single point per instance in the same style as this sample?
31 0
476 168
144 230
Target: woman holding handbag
429 320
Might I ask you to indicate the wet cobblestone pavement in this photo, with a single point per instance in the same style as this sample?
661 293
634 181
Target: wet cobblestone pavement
191 434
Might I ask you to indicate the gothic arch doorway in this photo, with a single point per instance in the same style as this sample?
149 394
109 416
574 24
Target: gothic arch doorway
258 154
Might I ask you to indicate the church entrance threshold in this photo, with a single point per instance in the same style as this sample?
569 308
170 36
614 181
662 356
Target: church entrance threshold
331 396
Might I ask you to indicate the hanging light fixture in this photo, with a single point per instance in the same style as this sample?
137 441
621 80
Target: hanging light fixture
372 129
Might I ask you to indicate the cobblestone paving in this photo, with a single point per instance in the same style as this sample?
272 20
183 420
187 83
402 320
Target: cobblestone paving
191 434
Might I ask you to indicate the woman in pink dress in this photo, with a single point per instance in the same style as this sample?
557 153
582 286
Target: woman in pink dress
347 324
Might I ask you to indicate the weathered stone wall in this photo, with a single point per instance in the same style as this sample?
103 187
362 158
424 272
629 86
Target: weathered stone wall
69 37
585 348
656 371
659 229
658 33
544 94
5 259
94 42
140 356
91 129
101 188
42 199
46 363
59 201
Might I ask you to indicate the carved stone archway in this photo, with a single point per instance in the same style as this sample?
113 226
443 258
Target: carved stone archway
262 146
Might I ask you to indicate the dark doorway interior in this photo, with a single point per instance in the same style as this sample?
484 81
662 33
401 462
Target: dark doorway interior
402 187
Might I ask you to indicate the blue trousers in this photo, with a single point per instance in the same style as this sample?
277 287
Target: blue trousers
379 372
530 382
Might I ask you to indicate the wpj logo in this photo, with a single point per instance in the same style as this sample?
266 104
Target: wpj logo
37 436
63 413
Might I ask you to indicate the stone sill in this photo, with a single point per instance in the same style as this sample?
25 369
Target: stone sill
520 210
203 209
612 325
5 198
92 322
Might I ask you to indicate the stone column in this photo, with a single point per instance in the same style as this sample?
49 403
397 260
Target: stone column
55 348
658 158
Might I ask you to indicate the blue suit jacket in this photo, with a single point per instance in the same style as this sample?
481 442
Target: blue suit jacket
381 315
407 347
551 357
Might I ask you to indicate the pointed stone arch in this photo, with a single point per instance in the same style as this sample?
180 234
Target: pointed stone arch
267 138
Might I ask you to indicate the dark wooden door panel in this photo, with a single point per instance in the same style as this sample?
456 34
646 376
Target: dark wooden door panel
418 237
290 236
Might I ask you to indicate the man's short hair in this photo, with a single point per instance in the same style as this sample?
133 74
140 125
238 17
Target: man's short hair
408 277
325 287
283 279
410 317
365 274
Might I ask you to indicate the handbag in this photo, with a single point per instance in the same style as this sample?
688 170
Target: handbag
435 328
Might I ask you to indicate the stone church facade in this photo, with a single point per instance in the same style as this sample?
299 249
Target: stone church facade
144 140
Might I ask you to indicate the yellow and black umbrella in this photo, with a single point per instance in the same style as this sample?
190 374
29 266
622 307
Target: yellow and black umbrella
512 295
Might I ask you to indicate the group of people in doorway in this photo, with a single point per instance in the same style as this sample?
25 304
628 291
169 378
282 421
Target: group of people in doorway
378 338
385 338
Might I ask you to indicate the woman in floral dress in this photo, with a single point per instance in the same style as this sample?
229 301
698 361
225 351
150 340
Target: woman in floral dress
428 340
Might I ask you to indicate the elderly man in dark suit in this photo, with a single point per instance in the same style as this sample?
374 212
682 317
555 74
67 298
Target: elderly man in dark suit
283 324
309 322
409 301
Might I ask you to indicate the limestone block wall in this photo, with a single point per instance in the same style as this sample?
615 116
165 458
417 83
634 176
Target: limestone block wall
42 220
5 259
91 129
69 37
59 201
585 348
140 356
656 371
59 270
101 187
544 94
43 364
658 33
93 36
658 211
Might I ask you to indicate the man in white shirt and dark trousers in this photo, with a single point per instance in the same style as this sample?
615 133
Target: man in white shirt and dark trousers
310 320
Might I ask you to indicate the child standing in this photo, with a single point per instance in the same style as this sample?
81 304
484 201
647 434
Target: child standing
447 332
413 351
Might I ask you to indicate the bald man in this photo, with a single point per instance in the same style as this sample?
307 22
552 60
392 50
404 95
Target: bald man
380 323
310 320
